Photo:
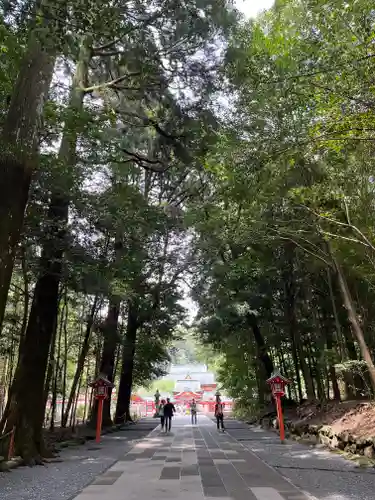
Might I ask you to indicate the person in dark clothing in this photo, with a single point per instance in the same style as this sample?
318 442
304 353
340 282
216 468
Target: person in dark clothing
193 410
169 411
219 414
161 414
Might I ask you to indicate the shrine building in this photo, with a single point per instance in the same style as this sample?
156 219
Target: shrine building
192 382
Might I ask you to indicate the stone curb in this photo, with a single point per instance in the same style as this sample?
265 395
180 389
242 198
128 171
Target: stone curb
347 445
8 465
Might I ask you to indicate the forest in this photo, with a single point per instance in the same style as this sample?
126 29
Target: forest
151 150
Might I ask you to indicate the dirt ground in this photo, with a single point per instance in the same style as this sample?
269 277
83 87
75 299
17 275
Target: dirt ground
355 417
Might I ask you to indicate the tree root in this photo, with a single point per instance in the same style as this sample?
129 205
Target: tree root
32 461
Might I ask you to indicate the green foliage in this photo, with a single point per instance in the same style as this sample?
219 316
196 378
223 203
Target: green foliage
256 208
248 409
291 173
122 148
161 385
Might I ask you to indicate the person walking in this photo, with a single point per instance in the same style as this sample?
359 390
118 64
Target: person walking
219 414
161 414
193 411
169 411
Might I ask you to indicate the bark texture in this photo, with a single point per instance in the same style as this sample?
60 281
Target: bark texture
19 139
30 377
126 378
108 358
355 324
263 355
81 361
18 156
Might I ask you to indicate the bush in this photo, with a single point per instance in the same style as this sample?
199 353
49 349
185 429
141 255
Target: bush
80 412
246 409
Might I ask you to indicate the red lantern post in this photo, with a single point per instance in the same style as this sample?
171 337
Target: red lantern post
11 444
278 383
100 386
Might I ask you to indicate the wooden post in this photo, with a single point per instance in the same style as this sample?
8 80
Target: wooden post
11 444
99 420
280 418
278 383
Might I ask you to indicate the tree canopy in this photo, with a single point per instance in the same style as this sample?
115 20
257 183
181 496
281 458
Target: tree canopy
154 148
285 236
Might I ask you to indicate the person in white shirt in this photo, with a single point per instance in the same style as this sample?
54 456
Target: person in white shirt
193 411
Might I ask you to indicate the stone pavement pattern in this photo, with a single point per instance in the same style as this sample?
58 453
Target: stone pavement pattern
322 474
192 463
76 467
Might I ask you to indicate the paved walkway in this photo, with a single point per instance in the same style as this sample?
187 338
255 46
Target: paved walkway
75 468
191 463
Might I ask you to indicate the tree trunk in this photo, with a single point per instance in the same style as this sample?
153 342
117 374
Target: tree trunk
316 348
288 303
326 325
19 140
358 384
348 378
291 387
296 368
81 360
64 364
86 391
316 375
260 383
50 369
73 417
28 385
263 355
108 358
291 320
309 385
57 367
335 385
331 367
352 315
111 338
43 315
26 296
126 377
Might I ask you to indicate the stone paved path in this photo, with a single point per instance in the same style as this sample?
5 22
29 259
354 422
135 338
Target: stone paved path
191 463
76 467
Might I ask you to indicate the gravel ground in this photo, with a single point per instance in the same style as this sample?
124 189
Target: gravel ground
319 473
78 467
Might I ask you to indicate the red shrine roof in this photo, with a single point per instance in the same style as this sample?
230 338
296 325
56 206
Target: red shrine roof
188 395
208 387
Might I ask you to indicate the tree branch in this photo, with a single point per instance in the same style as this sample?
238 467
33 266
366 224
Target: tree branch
306 250
146 163
109 84
112 43
343 224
